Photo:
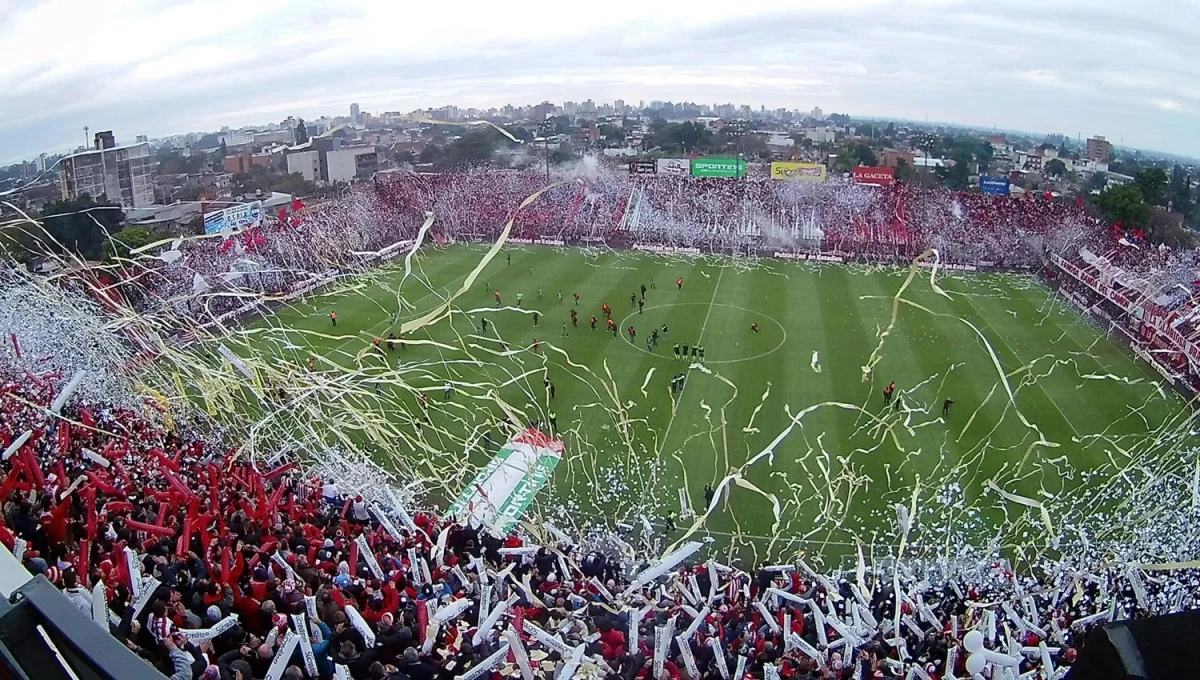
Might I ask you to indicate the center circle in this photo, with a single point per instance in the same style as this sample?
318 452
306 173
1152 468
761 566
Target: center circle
776 348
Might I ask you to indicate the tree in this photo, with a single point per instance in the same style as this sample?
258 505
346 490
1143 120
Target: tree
520 133
563 154
126 240
1124 204
1153 184
904 171
684 136
1097 181
1056 168
224 150
1181 192
430 153
864 155
17 242
474 147
562 125
611 133
956 176
301 132
80 225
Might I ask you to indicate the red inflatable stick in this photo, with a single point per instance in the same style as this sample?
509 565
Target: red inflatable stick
149 528
281 470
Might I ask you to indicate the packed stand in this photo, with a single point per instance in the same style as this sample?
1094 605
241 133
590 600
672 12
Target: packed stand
205 566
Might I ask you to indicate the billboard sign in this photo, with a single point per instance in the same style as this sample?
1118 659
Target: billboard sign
997 185
675 167
718 167
505 487
642 168
798 172
876 176
234 218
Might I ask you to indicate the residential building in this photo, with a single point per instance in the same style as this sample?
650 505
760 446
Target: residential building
1099 149
244 163
1116 179
284 136
354 112
307 164
237 137
1000 145
889 158
824 135
104 140
125 174
817 113
343 165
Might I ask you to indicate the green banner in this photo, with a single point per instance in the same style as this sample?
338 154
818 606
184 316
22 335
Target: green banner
718 167
505 487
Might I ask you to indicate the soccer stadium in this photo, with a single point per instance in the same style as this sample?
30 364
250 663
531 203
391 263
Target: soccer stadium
481 424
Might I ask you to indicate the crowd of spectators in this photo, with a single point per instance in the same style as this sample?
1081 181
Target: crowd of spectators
206 565
611 208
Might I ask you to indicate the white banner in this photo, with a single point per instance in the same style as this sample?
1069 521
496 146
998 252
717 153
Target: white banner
675 167
235 217
279 663
306 650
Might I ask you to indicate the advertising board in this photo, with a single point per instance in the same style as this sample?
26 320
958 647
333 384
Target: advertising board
718 167
642 167
798 172
233 218
996 185
676 167
877 176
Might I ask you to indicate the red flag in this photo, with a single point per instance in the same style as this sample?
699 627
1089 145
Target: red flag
1049 195
1079 201
1141 234
297 204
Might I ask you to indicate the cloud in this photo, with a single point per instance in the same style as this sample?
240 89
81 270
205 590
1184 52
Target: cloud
157 68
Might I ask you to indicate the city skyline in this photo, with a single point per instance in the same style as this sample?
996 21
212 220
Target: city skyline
1031 67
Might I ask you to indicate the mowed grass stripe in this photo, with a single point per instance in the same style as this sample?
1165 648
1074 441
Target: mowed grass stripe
820 310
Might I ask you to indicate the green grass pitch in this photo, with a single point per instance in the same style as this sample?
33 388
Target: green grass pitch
838 473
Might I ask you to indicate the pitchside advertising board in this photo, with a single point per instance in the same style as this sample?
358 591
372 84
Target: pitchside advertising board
876 176
994 184
676 167
798 172
505 487
642 167
233 218
718 167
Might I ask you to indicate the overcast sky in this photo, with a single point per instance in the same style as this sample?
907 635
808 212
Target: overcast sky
1126 70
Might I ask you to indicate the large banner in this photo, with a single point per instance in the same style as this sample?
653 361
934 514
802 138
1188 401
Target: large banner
798 172
994 184
642 168
718 167
878 176
505 487
233 218
676 167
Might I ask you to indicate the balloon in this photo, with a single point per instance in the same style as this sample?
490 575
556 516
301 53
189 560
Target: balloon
975 663
973 642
